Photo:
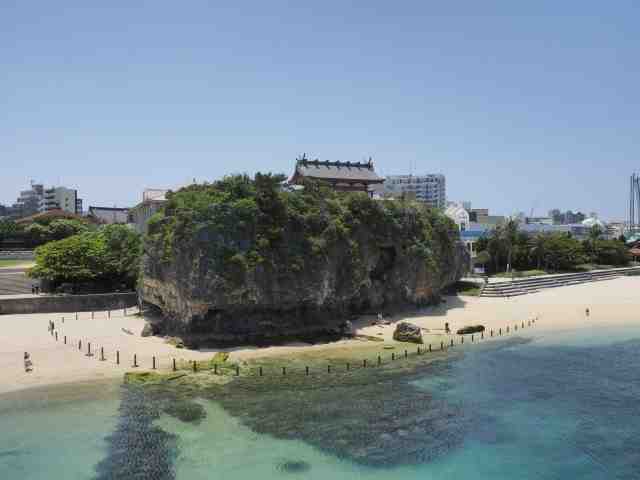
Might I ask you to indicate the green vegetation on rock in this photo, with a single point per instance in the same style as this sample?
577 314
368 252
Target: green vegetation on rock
248 257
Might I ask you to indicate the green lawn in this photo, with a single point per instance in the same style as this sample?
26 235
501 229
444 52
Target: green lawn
15 263
520 274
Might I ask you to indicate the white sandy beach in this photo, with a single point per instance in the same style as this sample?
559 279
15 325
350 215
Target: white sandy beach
612 303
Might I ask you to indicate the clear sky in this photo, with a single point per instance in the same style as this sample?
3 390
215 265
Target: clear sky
520 104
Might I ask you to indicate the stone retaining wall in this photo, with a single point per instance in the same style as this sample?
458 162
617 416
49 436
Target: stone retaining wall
67 303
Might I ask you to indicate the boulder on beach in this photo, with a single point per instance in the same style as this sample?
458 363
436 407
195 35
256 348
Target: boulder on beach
470 329
147 330
407 332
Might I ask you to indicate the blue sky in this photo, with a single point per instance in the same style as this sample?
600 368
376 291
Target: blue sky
520 104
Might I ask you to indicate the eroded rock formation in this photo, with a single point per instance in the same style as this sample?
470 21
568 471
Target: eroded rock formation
241 261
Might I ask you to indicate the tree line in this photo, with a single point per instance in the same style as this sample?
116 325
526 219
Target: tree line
508 247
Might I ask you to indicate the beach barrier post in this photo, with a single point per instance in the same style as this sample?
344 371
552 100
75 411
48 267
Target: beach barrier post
481 335
117 357
429 348
195 366
238 370
379 360
492 333
472 338
406 354
507 328
65 339
153 360
76 315
364 363
348 367
418 352
79 344
452 342
102 354
306 370
259 370
328 368
284 370
215 368
500 331
135 360
461 339
393 356
89 354
522 324
62 319
108 313
56 336
442 345
174 364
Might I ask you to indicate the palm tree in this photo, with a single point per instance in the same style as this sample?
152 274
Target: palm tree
510 237
538 247
595 232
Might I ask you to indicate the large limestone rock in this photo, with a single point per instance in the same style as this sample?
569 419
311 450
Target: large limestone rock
407 332
306 282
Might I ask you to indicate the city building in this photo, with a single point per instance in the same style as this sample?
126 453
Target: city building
566 218
458 214
341 176
109 215
59 198
152 201
538 220
429 189
28 203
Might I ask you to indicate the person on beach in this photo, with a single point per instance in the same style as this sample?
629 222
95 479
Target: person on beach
446 328
587 312
28 364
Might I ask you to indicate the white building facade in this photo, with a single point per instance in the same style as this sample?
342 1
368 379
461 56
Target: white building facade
60 198
429 189
458 214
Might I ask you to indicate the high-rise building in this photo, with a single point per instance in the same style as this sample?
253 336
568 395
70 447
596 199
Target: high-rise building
430 189
60 198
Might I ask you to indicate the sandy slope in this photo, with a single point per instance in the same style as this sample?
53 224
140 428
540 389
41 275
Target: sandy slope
613 302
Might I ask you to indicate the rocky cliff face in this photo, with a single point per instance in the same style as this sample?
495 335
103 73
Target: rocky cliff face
267 265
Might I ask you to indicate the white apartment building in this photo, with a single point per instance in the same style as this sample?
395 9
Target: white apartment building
430 189
60 198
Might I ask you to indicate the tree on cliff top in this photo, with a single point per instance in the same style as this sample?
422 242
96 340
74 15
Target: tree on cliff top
110 254
239 223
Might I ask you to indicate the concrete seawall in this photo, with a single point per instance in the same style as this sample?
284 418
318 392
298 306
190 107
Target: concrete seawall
66 303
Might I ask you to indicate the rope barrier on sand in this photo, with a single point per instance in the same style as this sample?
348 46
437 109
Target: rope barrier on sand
218 369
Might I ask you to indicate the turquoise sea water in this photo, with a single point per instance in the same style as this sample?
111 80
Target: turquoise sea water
548 407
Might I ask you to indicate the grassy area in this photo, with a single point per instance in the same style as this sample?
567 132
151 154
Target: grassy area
15 263
467 288
521 274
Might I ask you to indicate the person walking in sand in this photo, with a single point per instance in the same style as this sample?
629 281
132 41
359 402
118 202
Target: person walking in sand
28 364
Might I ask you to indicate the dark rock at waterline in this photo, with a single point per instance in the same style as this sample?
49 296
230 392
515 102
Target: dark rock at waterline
470 329
407 332
294 466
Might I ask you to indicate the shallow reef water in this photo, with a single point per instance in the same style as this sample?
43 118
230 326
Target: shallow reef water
543 407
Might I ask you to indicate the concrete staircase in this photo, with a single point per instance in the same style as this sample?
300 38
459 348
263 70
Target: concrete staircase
534 284
15 283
